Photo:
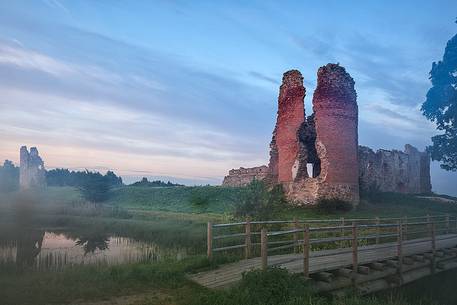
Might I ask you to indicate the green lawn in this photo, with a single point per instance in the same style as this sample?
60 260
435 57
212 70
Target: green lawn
217 203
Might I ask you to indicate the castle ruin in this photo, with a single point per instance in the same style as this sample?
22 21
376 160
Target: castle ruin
395 171
244 176
318 156
32 173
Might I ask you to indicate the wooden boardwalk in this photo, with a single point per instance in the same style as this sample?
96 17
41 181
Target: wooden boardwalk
351 255
320 261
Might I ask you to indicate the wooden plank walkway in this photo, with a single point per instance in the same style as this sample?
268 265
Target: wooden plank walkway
320 261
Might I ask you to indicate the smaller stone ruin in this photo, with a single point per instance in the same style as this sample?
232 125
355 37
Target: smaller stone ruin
32 171
244 176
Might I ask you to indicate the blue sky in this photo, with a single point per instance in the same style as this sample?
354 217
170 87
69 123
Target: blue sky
188 89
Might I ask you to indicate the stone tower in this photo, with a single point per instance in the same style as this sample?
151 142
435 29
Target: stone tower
32 171
291 114
336 120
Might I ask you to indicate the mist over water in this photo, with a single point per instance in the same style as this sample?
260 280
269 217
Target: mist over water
27 241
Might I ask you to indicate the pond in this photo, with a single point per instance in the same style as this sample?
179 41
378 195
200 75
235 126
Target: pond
55 249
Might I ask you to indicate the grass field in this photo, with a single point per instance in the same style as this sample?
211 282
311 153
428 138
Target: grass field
177 216
165 283
204 203
219 203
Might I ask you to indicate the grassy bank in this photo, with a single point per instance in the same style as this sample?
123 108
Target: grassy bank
204 203
170 286
216 200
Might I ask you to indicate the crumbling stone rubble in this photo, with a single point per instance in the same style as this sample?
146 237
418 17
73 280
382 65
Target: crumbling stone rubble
318 156
32 173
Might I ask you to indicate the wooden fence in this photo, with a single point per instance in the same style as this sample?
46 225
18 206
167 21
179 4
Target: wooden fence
267 238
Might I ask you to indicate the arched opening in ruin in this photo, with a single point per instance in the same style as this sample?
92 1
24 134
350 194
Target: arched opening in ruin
307 138
309 169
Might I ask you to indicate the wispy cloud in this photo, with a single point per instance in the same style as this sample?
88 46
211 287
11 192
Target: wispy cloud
56 4
32 60
263 77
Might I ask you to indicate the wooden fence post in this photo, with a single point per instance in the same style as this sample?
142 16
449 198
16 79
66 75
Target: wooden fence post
264 248
210 240
429 227
247 252
342 231
378 229
447 224
400 249
306 247
354 248
405 228
455 224
296 235
433 246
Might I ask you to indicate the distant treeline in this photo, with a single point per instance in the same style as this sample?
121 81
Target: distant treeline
65 177
155 183
9 177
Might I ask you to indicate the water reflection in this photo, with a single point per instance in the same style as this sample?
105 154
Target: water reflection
49 250
92 243
28 247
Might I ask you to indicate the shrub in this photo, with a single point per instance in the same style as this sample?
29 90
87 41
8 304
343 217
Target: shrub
199 198
369 191
333 205
259 202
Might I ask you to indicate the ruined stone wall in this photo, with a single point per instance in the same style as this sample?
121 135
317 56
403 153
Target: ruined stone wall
291 115
425 182
394 170
273 164
336 122
32 173
244 176
319 157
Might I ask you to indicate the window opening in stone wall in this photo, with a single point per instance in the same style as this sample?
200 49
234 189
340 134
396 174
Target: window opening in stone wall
309 169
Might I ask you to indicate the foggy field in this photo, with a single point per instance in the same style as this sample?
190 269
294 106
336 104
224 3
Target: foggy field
174 220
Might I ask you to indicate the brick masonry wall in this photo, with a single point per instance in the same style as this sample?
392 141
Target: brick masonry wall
291 114
336 119
328 139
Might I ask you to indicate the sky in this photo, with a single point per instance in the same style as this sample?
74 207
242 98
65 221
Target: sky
186 90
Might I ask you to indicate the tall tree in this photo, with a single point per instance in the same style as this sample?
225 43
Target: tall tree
95 187
441 107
